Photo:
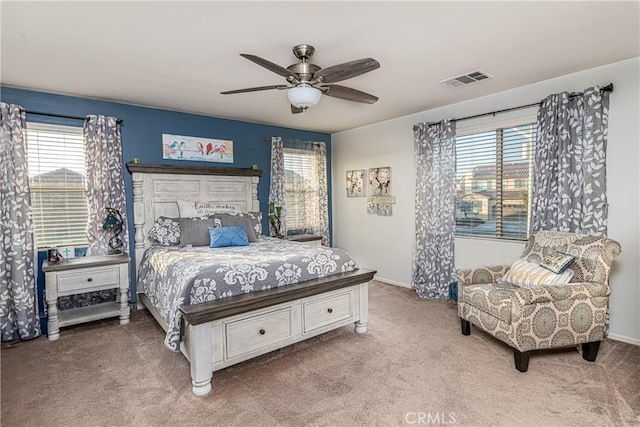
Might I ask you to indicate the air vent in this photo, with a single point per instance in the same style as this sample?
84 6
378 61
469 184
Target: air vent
466 79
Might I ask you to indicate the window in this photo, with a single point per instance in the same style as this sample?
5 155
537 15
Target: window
301 190
493 185
58 185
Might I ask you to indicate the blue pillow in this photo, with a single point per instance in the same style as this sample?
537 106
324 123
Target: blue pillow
222 237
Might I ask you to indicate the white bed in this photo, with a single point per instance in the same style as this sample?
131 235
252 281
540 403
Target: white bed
221 333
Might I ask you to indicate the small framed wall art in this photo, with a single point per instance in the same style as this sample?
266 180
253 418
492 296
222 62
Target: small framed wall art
356 183
380 181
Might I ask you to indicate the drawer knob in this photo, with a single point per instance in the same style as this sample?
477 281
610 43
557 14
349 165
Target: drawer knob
330 310
262 331
89 279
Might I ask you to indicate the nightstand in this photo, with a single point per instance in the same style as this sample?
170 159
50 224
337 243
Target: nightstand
81 275
309 239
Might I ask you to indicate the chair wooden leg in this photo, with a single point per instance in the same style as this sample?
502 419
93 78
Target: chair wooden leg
590 350
465 326
521 359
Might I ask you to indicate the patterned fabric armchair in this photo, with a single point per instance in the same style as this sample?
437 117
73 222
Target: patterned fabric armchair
543 316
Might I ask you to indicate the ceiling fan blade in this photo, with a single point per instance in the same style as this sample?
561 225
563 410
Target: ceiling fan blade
296 110
349 94
270 65
254 89
346 71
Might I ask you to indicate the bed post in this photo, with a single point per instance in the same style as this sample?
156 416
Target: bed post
361 324
200 344
255 204
138 222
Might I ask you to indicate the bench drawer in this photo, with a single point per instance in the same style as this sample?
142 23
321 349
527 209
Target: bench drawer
258 332
324 311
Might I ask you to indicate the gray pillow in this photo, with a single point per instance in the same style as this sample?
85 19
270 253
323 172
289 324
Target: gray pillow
239 221
195 231
256 222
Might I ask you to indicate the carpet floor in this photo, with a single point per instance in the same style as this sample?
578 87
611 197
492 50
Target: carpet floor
413 367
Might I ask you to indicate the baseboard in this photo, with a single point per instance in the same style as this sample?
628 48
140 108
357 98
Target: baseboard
391 282
622 338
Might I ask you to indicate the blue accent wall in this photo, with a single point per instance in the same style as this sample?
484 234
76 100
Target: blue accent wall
142 137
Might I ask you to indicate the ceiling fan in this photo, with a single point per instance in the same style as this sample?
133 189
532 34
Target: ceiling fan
308 82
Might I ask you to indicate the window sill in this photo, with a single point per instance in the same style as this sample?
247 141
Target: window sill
492 238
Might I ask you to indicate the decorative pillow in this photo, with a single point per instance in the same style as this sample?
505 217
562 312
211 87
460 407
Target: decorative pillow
524 273
239 221
557 262
195 231
200 209
221 237
256 221
166 231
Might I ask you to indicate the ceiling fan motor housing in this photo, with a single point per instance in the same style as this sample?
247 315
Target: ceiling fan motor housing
304 69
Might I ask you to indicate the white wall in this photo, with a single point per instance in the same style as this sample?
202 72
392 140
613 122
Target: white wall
386 243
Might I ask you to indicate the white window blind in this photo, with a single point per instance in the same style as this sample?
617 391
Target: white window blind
57 177
301 189
493 182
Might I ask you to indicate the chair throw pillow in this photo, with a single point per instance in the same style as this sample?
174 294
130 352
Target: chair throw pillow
557 262
524 273
222 237
165 231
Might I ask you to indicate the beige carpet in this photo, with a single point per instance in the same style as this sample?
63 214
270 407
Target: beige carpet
412 363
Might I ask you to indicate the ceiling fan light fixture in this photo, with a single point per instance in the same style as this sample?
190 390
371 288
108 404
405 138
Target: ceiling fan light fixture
304 96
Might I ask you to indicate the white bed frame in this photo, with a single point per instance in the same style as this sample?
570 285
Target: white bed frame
231 330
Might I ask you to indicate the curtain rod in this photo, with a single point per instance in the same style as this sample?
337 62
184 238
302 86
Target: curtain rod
607 88
63 116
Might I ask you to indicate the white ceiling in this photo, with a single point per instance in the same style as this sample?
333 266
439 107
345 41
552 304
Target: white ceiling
181 55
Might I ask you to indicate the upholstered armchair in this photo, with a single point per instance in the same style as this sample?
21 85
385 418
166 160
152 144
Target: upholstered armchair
543 316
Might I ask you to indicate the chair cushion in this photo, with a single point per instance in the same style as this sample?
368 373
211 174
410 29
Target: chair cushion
493 298
524 273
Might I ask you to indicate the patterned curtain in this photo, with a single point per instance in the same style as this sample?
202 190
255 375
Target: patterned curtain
322 229
433 258
18 305
320 210
276 184
105 183
569 190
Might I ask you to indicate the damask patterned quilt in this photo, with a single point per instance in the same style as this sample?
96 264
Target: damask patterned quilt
175 276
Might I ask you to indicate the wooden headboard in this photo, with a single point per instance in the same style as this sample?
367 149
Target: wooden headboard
157 188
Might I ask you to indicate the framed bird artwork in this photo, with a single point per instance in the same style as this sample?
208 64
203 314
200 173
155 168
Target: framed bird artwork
178 147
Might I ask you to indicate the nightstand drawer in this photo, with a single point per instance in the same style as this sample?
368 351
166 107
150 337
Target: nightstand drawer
88 278
325 311
258 332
